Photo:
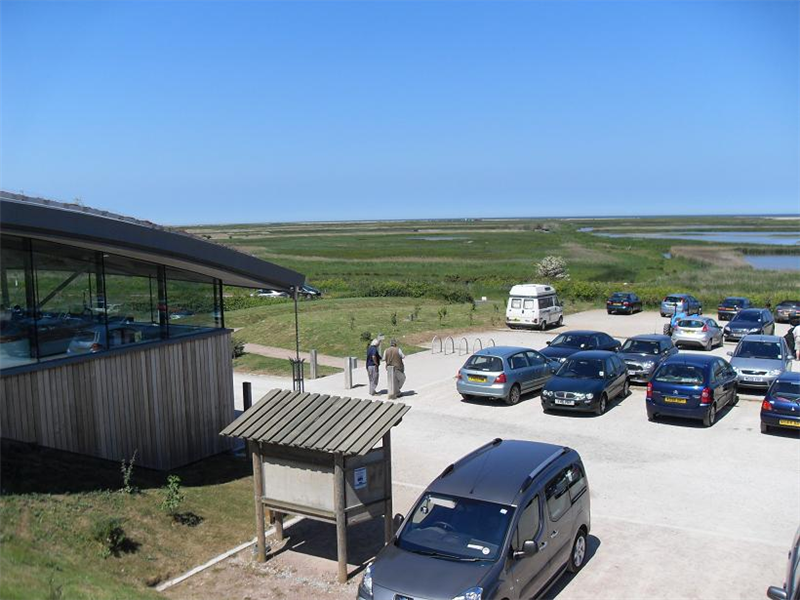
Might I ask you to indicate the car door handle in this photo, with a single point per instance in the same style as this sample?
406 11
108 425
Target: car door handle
554 534
542 545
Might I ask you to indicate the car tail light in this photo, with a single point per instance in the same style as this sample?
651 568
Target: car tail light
626 304
650 390
706 397
500 378
766 405
458 374
705 327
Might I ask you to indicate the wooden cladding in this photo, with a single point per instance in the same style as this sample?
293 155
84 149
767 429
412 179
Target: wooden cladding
167 402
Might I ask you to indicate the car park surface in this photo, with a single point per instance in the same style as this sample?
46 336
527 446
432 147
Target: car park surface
667 492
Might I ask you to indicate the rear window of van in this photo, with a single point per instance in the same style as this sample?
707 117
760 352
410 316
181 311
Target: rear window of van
516 303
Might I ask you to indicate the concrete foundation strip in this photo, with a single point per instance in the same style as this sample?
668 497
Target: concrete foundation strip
168 584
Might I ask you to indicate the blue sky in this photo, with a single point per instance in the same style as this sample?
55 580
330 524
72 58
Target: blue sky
209 112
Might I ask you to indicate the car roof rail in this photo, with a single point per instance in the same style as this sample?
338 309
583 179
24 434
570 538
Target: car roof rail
544 464
451 467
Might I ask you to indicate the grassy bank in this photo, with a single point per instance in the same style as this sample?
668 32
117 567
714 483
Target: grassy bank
279 367
50 501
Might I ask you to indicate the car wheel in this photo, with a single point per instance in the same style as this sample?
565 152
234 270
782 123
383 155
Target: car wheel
667 329
543 325
651 416
608 311
764 427
709 345
513 395
711 416
601 406
735 399
560 321
578 555
626 389
544 408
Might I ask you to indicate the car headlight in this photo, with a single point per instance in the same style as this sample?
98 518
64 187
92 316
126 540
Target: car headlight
726 330
754 329
775 372
473 593
547 393
562 359
589 396
648 364
366 582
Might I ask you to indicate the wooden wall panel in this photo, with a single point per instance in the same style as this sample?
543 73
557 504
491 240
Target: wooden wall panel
167 402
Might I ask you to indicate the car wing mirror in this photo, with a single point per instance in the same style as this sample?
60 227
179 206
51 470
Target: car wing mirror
397 521
776 593
529 548
729 353
548 342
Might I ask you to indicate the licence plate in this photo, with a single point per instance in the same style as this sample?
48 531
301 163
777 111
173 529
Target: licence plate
673 400
616 304
752 379
565 402
476 378
789 423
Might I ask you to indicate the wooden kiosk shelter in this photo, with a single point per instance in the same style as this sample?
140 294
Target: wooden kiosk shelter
314 455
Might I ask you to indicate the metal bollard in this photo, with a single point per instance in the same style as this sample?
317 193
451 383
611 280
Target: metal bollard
392 382
247 394
313 364
348 373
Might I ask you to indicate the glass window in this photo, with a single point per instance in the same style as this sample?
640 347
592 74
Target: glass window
478 362
516 303
576 480
529 303
132 301
534 358
529 521
17 333
192 301
70 301
518 361
557 494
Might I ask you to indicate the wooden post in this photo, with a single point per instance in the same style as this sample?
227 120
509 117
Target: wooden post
258 494
341 518
313 364
279 525
388 517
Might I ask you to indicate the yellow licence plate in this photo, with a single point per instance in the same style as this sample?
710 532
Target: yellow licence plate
476 378
789 423
672 400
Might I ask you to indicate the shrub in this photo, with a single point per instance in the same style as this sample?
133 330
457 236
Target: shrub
173 495
237 347
552 267
442 314
393 319
109 532
365 336
127 475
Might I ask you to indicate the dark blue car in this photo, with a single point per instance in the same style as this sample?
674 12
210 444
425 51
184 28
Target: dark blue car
570 342
781 406
693 387
587 381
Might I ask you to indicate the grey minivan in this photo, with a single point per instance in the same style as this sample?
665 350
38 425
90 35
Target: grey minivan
504 522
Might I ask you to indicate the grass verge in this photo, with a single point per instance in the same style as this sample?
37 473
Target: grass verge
279 367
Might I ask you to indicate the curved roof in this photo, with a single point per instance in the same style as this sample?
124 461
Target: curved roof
84 227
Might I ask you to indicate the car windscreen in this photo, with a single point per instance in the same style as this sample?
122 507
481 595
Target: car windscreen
640 347
454 528
691 323
581 368
674 299
571 340
765 350
477 362
790 390
732 302
680 373
749 316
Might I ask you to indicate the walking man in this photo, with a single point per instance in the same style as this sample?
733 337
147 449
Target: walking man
394 358
373 362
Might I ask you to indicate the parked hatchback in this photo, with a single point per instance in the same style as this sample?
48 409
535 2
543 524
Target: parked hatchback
642 355
751 320
623 302
504 522
692 386
759 359
503 372
731 305
567 344
791 586
703 332
587 381
781 406
681 303
787 310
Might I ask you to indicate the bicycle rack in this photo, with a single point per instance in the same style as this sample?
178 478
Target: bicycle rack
433 342
465 346
452 345
475 343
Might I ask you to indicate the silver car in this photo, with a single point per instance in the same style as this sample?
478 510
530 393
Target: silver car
697 331
677 303
759 359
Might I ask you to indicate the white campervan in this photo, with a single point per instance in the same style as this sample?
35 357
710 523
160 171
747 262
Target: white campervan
533 305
